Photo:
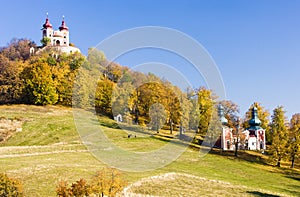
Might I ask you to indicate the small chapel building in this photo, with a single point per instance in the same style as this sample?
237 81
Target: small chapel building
253 137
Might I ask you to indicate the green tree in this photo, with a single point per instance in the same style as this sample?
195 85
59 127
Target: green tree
263 116
39 85
279 130
206 103
45 41
294 138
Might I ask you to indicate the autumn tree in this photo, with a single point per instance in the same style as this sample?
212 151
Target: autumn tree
18 49
230 110
39 85
11 85
294 138
107 182
206 103
194 115
279 130
172 103
158 116
10 186
214 128
103 96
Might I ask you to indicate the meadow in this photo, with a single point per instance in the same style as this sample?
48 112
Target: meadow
49 149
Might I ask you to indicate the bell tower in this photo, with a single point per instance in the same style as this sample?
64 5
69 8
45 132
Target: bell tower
47 30
64 32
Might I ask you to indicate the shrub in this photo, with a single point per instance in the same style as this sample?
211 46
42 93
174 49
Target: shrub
10 187
107 182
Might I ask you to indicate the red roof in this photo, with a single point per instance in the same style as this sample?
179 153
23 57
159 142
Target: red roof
63 26
47 24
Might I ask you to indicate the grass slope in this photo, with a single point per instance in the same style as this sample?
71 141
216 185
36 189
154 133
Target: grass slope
48 150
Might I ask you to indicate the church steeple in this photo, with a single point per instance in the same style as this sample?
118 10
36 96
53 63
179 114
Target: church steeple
47 24
254 122
63 25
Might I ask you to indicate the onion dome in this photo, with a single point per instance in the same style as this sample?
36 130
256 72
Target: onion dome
254 122
63 25
47 23
223 120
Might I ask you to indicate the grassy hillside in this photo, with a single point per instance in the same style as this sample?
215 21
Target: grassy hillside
49 149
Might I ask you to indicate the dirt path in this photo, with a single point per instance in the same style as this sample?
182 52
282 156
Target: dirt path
26 151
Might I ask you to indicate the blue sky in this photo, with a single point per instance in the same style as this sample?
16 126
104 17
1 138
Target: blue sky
256 44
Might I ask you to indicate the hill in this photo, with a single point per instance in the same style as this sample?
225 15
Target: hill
48 149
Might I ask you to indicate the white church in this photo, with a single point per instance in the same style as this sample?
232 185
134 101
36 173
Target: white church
59 39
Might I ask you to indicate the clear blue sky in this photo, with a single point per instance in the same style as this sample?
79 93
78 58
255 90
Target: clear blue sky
256 44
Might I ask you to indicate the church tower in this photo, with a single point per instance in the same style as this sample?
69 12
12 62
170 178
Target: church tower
255 135
64 33
47 30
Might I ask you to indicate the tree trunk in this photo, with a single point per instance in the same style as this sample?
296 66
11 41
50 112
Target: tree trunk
293 161
171 126
278 162
236 148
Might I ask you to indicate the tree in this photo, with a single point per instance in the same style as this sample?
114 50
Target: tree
279 130
157 116
294 138
39 85
194 115
107 182
214 128
11 86
231 110
18 49
263 116
206 103
45 41
103 96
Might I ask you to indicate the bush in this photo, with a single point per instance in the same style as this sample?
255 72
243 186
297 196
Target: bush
107 182
10 187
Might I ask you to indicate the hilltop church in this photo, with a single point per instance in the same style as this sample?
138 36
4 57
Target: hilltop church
58 39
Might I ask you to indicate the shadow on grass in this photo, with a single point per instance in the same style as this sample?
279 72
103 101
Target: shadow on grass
242 155
257 193
295 177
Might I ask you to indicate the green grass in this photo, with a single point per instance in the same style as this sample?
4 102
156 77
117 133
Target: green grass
48 150
42 125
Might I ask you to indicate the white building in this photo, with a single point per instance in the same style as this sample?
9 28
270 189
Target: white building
255 135
59 39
